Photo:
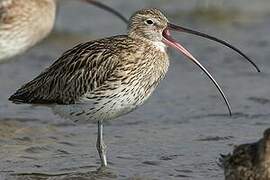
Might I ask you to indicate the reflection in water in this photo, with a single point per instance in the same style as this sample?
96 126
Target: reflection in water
93 175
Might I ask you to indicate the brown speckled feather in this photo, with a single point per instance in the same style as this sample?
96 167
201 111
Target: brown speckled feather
248 161
86 68
71 75
106 78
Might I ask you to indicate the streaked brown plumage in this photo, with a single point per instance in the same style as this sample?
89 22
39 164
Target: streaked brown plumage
102 79
23 23
106 78
98 70
248 161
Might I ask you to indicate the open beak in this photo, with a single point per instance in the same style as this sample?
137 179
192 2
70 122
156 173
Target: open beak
107 8
169 41
190 31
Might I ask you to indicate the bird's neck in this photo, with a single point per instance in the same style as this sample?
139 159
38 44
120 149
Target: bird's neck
159 45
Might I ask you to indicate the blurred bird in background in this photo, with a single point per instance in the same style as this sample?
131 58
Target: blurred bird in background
248 161
23 23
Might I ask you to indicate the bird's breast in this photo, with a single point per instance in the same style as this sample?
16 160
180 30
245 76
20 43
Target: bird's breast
130 85
144 77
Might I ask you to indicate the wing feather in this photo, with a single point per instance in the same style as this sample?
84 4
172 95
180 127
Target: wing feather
82 69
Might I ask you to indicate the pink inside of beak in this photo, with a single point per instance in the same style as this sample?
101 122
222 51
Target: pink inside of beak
169 41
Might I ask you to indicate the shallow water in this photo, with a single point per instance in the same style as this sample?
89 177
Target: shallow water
179 133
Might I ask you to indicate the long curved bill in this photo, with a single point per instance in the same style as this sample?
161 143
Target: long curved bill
169 41
190 31
107 8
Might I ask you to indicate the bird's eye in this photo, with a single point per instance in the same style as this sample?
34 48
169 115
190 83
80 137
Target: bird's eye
149 22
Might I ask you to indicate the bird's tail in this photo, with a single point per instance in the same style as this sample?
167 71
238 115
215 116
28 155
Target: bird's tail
20 96
221 160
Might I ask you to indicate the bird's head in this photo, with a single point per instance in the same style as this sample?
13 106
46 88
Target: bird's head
150 24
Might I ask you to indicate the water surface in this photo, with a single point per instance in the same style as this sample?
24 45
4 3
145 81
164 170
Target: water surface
179 132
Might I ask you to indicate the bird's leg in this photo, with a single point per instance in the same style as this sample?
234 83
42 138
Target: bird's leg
101 147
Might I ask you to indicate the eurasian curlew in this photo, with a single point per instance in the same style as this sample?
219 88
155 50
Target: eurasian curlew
106 78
